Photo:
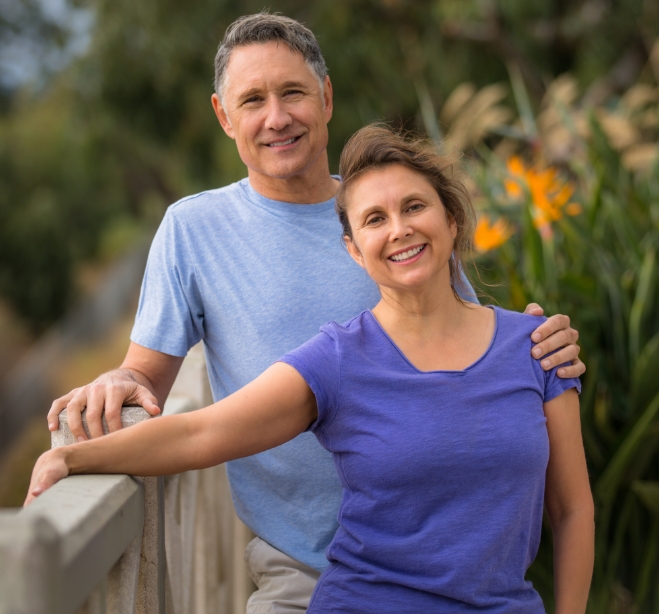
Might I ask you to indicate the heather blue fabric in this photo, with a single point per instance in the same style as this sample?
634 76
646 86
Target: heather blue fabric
255 278
443 472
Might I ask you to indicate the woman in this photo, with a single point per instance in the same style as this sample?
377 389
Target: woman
445 456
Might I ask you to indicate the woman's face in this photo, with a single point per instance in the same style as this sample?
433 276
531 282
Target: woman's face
401 232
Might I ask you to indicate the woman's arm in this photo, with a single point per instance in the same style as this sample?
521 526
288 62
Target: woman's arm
271 410
569 505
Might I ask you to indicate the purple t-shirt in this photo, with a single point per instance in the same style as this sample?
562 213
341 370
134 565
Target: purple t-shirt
443 472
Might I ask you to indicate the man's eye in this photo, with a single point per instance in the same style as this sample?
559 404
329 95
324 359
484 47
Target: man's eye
292 93
251 100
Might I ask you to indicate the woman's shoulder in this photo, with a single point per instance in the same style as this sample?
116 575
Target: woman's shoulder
353 326
514 328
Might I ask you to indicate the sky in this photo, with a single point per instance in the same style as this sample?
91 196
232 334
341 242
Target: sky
29 50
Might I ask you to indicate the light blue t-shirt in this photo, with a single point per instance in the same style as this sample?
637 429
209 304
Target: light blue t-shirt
255 278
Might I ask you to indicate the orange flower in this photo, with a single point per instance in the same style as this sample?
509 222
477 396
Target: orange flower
490 236
550 195
516 169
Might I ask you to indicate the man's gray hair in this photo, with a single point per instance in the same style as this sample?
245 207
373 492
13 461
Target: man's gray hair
262 28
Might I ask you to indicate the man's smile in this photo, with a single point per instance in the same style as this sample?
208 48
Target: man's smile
283 143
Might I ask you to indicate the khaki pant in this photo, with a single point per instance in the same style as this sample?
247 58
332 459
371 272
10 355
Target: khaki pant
284 585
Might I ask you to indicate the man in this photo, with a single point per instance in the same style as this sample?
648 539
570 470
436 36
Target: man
254 269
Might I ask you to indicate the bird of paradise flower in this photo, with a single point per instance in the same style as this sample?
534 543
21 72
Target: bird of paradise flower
550 195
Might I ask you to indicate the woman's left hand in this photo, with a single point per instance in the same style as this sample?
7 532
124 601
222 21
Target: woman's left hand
556 334
50 469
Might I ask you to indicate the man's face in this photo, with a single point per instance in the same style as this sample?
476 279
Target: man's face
276 110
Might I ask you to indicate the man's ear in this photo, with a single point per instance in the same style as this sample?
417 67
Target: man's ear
353 250
328 98
222 116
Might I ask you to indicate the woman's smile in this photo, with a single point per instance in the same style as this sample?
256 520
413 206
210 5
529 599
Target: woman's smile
408 255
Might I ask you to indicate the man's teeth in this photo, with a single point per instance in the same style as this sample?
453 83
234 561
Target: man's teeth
282 143
408 254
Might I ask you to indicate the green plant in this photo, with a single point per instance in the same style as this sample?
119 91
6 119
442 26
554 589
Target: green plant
569 217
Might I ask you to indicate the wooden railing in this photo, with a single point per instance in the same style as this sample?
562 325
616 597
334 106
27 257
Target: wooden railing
113 544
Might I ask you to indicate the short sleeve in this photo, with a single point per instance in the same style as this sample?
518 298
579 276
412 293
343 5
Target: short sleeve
170 311
555 386
318 363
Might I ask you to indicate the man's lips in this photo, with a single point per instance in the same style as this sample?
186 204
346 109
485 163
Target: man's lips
409 253
283 142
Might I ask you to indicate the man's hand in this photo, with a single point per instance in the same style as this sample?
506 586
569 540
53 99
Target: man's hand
553 334
144 377
109 393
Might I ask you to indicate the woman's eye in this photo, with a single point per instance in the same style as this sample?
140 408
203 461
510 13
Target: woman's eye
374 220
416 207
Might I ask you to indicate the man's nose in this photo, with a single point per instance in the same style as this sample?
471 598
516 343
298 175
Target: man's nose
277 117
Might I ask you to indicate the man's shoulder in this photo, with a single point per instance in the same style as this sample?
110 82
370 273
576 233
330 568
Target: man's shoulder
208 200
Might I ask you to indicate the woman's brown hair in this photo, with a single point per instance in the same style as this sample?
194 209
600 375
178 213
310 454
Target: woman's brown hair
377 146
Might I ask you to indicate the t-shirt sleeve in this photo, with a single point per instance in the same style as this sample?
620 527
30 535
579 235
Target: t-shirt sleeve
555 386
318 363
170 312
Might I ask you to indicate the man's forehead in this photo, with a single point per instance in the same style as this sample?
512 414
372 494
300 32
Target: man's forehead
254 65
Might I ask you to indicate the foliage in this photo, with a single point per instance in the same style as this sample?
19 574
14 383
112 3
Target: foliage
569 217
127 127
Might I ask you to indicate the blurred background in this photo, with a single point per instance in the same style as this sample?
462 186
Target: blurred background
105 119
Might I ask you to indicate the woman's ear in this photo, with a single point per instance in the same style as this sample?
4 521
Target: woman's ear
353 250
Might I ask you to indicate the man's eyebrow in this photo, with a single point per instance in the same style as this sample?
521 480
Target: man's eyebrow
254 91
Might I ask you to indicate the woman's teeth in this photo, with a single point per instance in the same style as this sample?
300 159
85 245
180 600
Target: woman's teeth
407 255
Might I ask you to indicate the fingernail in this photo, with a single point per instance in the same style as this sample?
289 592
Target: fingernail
561 372
537 352
81 438
37 491
535 336
51 426
546 363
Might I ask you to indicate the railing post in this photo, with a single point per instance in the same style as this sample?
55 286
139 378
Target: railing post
29 565
150 597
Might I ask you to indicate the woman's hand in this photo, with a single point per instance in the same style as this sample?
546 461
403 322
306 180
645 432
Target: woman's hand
556 334
50 469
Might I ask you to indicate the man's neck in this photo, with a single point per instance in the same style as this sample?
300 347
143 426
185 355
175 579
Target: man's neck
299 189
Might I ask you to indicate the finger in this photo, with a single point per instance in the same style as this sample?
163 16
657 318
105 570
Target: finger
56 409
566 354
551 326
534 309
74 410
114 400
576 369
148 401
95 407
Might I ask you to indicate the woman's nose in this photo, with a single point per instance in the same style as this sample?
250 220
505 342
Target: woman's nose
400 228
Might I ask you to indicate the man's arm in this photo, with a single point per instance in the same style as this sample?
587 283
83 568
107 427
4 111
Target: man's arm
556 334
144 378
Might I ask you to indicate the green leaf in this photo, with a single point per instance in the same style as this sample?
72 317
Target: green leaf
648 493
642 303
610 481
645 383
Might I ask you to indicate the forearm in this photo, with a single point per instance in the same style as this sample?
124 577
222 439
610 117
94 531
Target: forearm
574 537
159 446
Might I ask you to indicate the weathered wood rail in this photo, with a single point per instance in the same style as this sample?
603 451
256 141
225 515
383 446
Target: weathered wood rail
115 544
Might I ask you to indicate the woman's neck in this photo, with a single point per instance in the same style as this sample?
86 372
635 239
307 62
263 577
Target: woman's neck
436 330
438 309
